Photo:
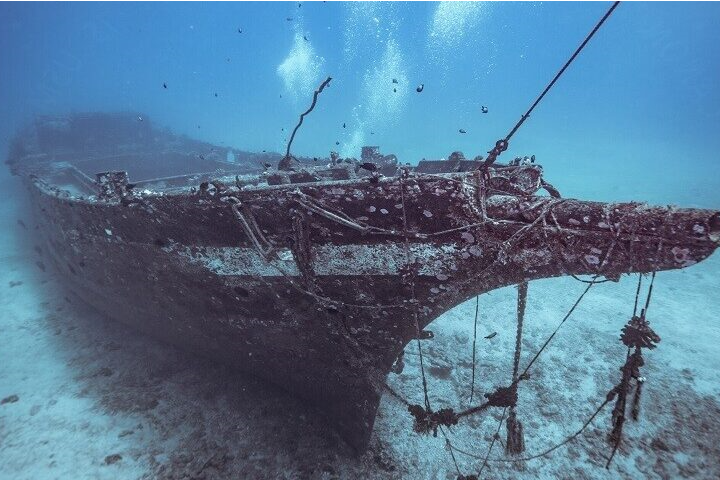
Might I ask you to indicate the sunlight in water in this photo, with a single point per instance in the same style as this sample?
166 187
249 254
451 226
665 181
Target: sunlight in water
352 147
451 23
367 25
384 99
300 70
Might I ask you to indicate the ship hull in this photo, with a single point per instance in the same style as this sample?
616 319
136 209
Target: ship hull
328 308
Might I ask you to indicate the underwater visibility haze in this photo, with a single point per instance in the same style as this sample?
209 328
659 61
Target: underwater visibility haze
279 240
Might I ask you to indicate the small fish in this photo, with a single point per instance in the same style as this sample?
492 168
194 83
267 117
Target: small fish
239 30
315 159
164 84
420 88
140 119
532 159
394 90
343 124
281 95
289 19
395 80
198 127
305 38
282 129
462 130
491 335
337 143
216 94
201 156
369 166
484 109
372 133
266 165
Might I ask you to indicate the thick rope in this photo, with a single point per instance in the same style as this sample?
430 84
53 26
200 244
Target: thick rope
637 294
302 116
650 290
521 303
515 442
472 382
567 315
499 393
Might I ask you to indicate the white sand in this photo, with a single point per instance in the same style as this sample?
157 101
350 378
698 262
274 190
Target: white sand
89 389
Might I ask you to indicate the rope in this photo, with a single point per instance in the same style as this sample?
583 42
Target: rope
472 382
595 282
302 115
522 300
501 145
502 392
496 437
650 290
515 440
450 448
412 273
255 235
637 294
567 315
544 452
396 395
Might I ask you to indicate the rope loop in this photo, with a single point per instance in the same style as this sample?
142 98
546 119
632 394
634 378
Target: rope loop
427 421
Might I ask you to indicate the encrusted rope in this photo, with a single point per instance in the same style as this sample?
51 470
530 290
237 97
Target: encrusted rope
302 117
411 271
472 382
515 442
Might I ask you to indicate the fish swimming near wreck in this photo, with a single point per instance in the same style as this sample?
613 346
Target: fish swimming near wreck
314 278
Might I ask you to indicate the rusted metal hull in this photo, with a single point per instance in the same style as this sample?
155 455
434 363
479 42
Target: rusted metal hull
328 311
316 279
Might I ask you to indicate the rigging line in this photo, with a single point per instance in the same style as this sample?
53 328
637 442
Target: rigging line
472 383
637 294
521 302
492 443
650 290
549 450
582 280
412 274
450 448
492 158
567 315
523 375
396 395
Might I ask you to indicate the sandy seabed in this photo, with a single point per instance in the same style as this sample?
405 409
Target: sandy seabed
90 399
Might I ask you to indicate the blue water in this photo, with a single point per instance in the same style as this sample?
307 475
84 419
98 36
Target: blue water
636 117
640 102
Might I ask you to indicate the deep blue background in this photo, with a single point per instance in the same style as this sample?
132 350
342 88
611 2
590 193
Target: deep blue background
636 117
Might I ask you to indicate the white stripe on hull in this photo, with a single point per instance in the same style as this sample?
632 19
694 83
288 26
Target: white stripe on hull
328 260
